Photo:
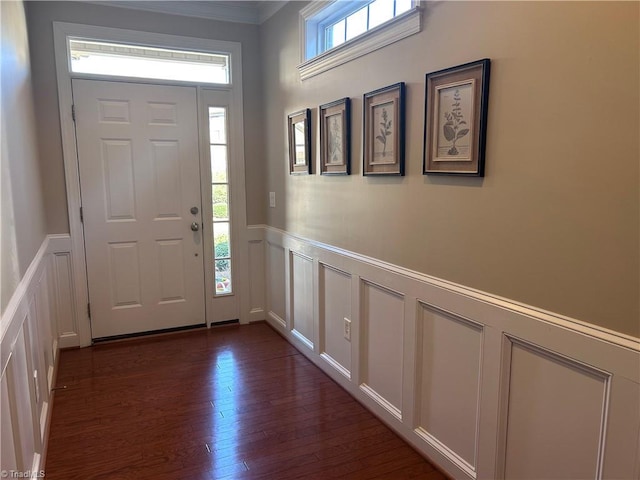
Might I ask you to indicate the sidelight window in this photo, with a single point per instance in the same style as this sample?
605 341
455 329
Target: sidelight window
219 148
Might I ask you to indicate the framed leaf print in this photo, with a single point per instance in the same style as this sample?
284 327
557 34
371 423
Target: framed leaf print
335 138
299 127
455 125
384 131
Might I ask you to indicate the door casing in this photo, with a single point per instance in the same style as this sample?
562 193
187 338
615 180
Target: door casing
61 32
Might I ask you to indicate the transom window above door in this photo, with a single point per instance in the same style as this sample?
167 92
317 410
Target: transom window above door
124 60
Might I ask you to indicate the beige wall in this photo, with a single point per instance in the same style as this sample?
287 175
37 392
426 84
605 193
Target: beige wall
40 16
555 221
22 211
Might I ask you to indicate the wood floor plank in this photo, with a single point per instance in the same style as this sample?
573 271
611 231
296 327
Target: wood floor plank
235 402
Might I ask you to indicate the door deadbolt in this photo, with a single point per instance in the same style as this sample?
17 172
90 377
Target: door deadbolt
194 210
195 226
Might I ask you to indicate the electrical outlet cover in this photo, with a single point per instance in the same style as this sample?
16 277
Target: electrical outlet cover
347 329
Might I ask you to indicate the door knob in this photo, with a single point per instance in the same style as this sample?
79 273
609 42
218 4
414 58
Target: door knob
195 226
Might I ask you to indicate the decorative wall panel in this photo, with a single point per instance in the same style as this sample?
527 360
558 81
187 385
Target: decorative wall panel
276 291
256 279
302 298
382 318
448 381
556 413
335 301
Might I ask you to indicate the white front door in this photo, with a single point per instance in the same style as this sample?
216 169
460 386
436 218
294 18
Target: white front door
138 159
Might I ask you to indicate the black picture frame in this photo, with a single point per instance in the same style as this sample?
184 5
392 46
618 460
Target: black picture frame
335 137
381 158
455 120
299 135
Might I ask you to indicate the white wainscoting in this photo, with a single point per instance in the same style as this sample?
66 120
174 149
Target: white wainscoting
335 307
62 271
276 283
382 330
256 297
37 321
301 288
483 386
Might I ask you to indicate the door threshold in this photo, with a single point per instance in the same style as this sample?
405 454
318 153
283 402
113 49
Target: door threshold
164 331
223 323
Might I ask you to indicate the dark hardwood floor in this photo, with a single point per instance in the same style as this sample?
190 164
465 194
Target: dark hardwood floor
227 403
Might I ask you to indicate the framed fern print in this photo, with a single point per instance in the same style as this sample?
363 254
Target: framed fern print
335 137
455 122
384 131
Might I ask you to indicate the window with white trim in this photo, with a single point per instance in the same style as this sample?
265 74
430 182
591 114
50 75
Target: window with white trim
339 31
219 148
138 61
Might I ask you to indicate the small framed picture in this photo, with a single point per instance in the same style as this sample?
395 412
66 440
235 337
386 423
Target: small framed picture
335 138
384 131
455 123
299 126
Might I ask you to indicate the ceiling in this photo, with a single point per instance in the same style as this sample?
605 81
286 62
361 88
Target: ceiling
241 11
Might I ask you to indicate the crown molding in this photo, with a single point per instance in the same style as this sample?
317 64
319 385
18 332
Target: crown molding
267 8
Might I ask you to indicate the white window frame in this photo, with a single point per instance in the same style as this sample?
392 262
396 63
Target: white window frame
222 307
315 17
233 92
124 46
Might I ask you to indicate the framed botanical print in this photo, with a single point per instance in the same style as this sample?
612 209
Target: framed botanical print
299 127
384 131
335 137
455 125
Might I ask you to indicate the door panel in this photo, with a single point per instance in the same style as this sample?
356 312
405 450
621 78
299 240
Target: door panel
139 175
